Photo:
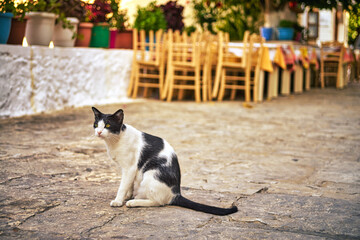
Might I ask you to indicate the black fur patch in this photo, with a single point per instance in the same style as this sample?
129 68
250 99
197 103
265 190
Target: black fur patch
150 152
150 160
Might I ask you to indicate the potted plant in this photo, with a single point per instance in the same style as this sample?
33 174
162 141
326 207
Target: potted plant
18 23
285 30
120 36
149 18
70 13
85 27
41 22
173 15
7 8
99 15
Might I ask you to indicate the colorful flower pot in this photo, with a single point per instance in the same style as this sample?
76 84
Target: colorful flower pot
124 39
121 39
100 36
266 33
5 26
285 33
84 34
17 32
40 28
65 37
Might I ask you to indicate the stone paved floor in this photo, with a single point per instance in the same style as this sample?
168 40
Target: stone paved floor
291 165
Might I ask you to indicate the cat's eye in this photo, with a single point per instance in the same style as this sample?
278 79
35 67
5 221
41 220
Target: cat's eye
107 125
96 125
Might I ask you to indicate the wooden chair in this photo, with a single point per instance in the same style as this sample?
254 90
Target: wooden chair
183 65
331 62
242 73
225 57
148 62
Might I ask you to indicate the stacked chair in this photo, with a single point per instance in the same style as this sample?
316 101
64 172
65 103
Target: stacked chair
184 65
201 64
148 63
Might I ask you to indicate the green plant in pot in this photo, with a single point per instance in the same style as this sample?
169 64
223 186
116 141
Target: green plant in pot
120 35
85 27
286 30
70 13
149 18
41 22
100 12
18 22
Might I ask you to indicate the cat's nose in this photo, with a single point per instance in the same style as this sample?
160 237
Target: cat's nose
99 132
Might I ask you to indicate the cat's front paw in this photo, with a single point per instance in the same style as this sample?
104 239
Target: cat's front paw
116 203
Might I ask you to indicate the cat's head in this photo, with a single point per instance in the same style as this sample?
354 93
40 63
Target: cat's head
107 124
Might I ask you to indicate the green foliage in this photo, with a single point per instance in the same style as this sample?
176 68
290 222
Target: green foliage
207 12
354 24
7 6
119 18
240 16
150 18
72 8
18 11
232 16
51 6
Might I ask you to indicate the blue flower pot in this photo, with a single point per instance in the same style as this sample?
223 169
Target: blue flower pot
5 26
266 33
285 33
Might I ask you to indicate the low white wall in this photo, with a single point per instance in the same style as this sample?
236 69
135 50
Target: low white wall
39 79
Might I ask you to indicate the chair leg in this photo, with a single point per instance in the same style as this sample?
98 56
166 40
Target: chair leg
161 82
171 86
217 80
322 80
132 77
197 86
222 85
136 83
247 87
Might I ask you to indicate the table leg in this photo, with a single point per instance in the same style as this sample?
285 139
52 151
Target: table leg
299 75
261 86
307 80
285 82
275 77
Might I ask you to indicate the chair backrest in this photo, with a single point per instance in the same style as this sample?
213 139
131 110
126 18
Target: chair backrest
149 49
184 52
230 53
331 51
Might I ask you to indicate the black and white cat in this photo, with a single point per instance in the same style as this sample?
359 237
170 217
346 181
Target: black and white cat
150 168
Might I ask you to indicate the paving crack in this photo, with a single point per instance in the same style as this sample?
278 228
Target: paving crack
88 231
44 209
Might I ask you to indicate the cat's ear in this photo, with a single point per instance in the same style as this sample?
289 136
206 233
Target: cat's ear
96 112
119 116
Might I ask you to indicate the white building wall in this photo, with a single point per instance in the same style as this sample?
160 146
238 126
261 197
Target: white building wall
39 79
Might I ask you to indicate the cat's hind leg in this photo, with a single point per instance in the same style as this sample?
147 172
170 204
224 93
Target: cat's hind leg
142 203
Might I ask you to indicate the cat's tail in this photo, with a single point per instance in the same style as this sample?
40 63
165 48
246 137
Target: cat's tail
186 203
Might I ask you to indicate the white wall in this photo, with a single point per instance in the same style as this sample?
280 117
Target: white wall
39 79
